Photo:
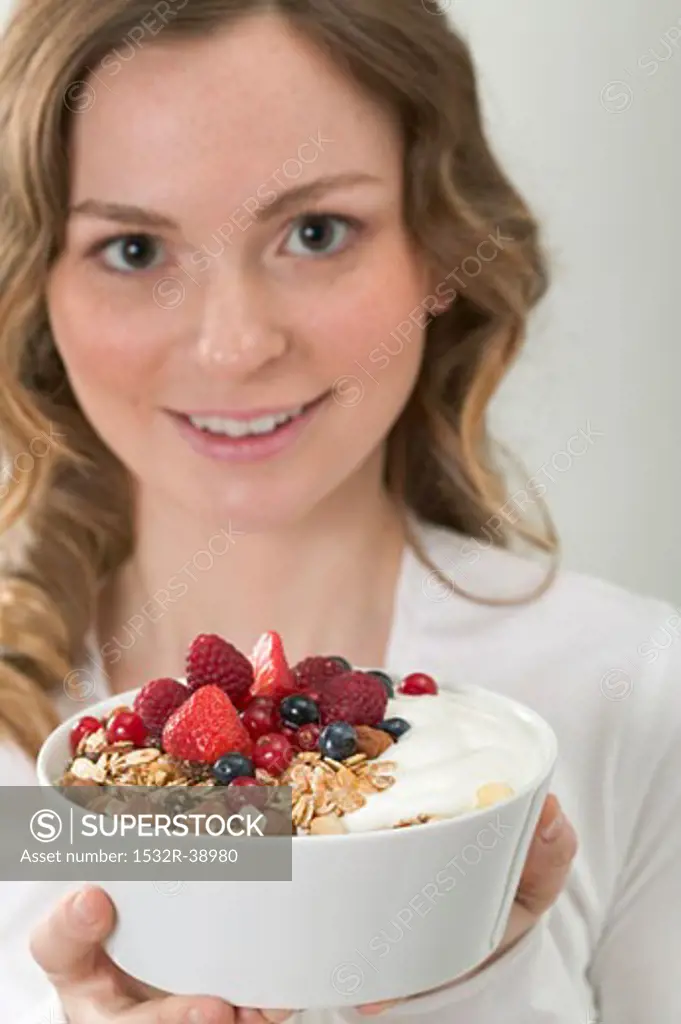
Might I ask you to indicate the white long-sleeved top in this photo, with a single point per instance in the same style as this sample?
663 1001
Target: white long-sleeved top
603 667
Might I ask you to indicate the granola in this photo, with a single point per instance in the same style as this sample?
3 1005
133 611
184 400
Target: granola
322 787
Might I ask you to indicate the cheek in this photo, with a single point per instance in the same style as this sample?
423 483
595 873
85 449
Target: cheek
370 332
109 352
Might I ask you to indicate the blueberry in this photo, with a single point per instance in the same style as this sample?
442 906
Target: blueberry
231 766
395 727
298 710
386 680
343 662
338 740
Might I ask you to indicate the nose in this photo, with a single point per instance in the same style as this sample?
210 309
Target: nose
238 334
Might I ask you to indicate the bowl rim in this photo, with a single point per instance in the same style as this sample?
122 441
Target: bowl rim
548 746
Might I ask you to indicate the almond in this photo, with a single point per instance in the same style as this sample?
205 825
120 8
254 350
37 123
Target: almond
327 825
372 742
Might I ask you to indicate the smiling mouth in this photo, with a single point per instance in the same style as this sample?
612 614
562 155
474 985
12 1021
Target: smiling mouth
257 426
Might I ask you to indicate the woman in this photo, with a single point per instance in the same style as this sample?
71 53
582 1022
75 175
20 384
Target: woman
207 372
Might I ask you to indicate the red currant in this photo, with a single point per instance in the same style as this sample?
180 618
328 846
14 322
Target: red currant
126 725
273 752
417 684
307 737
261 716
242 797
290 734
84 727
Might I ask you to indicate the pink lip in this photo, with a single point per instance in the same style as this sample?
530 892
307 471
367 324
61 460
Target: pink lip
245 449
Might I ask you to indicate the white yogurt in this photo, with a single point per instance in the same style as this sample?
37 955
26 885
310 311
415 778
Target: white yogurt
454 746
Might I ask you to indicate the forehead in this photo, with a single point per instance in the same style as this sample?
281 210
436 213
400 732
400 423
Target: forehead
221 115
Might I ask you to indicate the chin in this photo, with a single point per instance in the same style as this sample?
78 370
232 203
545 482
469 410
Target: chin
260 510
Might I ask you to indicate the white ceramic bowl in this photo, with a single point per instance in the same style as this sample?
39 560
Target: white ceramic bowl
368 916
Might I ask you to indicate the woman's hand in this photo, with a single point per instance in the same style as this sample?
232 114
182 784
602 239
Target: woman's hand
93 990
547 867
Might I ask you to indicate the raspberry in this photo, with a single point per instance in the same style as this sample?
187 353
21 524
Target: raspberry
311 671
273 677
213 661
156 702
417 684
205 727
354 697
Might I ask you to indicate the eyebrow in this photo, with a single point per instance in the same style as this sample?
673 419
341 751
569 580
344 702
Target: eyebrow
123 212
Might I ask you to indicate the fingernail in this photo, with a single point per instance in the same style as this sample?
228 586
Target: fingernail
278 1016
195 1016
84 907
551 831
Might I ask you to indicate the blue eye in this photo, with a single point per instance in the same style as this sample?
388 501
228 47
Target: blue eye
131 253
321 234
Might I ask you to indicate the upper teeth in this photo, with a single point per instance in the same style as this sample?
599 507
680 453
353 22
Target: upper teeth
241 428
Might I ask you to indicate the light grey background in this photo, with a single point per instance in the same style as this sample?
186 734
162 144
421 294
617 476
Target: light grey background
586 116
591 135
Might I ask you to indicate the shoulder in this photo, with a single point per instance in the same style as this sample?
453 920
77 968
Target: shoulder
480 571
583 636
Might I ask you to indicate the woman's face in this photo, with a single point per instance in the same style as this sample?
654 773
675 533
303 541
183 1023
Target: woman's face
201 292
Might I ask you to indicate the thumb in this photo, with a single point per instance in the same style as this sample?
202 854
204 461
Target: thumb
548 863
67 943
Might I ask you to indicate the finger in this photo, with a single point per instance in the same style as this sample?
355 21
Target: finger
554 846
179 1010
67 943
248 1015
373 1009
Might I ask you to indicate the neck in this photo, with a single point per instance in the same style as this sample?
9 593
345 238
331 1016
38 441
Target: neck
326 584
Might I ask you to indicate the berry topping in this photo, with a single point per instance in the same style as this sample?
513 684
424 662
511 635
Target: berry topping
244 780
205 727
126 726
314 670
214 662
338 740
298 710
395 727
273 677
273 752
261 715
291 735
355 697
343 662
386 680
240 794
156 702
418 683
232 766
307 737
84 727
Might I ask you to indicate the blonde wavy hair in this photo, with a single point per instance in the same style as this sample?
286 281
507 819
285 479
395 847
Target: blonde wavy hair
65 500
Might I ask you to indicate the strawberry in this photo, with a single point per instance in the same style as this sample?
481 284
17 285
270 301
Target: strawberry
354 697
214 661
205 727
311 671
273 677
156 702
